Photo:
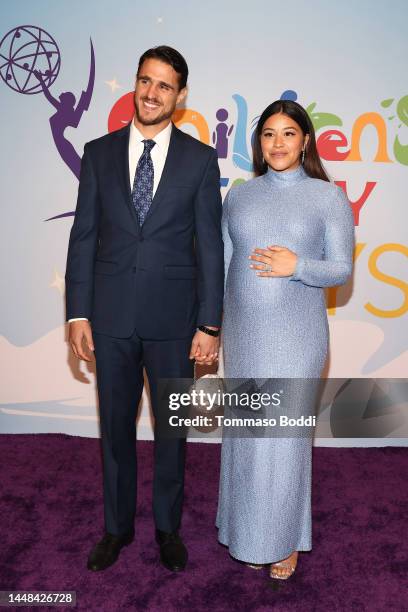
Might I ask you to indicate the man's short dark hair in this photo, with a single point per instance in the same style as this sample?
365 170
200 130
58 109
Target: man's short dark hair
168 56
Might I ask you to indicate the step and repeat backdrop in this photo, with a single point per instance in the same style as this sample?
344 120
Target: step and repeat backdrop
67 72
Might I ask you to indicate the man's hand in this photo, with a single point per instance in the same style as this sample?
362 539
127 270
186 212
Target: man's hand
204 348
79 335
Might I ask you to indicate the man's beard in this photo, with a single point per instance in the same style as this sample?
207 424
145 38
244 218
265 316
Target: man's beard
154 121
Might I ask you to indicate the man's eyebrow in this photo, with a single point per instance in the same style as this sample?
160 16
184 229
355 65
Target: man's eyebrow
166 84
144 76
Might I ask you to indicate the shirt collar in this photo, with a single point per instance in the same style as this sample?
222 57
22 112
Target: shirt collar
162 139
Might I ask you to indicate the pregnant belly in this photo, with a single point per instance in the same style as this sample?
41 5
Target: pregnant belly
279 332
255 292
276 307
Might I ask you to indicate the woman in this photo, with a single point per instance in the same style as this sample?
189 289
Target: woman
297 230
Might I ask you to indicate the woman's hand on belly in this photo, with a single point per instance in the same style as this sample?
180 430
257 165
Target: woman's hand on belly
273 261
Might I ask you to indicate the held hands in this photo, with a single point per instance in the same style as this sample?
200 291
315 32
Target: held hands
204 348
79 335
274 261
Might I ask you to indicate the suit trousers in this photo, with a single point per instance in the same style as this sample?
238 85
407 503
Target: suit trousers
119 369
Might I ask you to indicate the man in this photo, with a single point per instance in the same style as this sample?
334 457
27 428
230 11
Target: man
144 287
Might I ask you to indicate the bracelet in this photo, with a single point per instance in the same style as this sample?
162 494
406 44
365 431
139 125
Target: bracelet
210 332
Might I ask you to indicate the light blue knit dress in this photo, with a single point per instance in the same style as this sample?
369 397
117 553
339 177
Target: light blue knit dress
277 327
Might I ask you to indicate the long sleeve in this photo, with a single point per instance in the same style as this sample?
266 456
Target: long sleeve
83 244
209 247
228 248
336 266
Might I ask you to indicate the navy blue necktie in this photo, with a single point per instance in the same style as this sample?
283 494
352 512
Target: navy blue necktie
142 192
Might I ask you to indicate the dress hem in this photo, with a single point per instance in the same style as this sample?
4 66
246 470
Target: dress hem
256 561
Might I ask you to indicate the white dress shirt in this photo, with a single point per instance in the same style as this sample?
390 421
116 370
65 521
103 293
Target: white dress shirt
158 155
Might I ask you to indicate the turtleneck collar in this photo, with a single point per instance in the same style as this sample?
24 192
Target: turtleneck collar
285 179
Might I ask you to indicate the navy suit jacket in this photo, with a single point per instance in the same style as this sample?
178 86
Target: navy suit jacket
164 278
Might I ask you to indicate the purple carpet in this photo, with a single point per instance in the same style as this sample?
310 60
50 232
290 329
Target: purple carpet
51 514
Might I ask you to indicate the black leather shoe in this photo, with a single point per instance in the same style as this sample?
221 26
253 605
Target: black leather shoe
173 553
107 550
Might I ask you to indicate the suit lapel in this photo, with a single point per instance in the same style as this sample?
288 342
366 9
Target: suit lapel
121 155
169 170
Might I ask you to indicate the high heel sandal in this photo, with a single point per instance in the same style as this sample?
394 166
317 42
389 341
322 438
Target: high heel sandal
255 566
285 563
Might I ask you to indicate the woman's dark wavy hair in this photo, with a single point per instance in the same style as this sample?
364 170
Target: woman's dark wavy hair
170 56
312 164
